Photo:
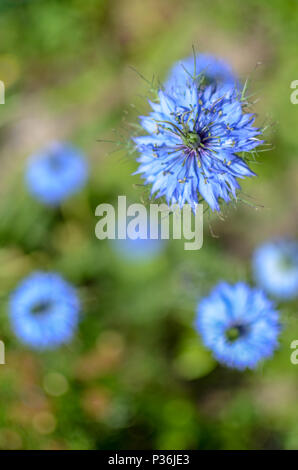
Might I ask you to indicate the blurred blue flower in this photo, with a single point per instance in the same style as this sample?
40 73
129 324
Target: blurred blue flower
192 146
44 310
139 250
203 66
56 173
239 324
275 266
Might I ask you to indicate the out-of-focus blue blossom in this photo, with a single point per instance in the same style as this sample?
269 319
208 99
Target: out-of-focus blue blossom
275 266
44 310
239 324
138 250
56 173
192 148
141 249
205 67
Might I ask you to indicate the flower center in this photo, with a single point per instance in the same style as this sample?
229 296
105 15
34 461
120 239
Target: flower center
41 308
55 163
286 263
192 140
235 332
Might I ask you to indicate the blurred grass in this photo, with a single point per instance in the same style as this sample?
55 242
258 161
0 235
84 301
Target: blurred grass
136 374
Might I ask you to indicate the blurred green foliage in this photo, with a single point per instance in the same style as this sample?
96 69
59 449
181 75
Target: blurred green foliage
136 375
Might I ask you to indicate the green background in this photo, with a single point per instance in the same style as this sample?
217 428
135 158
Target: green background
135 375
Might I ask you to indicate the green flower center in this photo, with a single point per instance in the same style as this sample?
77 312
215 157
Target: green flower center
286 263
235 332
192 140
41 308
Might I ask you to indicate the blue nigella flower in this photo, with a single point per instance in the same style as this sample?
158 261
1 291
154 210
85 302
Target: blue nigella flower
205 67
138 250
192 148
141 249
239 324
275 266
44 310
55 173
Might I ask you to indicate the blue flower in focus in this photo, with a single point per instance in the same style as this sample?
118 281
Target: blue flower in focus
44 311
56 173
203 66
275 266
191 151
239 324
